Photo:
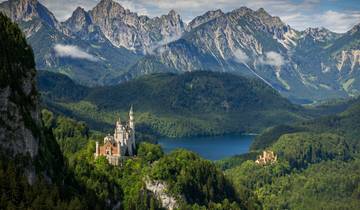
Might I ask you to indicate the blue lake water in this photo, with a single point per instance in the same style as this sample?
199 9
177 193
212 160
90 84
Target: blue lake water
212 148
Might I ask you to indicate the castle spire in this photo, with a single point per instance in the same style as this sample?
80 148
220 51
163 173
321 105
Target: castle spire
131 116
131 110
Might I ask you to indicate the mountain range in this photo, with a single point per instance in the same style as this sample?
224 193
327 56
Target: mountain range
109 44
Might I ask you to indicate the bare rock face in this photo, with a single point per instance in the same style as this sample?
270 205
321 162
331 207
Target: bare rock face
14 133
29 10
137 33
208 16
20 123
160 191
79 20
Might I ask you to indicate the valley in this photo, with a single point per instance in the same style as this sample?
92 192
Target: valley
172 105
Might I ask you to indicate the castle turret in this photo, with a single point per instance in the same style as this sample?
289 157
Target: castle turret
97 150
118 122
119 132
131 119
132 143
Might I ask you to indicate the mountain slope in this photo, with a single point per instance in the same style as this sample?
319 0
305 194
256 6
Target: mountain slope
197 103
254 43
345 124
110 44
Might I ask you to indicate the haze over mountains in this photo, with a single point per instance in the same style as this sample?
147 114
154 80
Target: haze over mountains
110 44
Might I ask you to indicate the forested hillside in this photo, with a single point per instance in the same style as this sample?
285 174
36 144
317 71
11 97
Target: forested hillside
197 103
318 164
345 124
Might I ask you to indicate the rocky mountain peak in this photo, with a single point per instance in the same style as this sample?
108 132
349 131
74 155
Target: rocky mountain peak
355 29
124 28
319 34
106 2
109 8
79 10
206 17
268 19
27 10
262 11
260 14
242 11
78 20
173 13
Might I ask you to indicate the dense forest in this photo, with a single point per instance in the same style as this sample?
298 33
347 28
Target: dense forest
190 104
318 165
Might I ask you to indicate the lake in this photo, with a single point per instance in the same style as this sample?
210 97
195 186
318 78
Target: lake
212 148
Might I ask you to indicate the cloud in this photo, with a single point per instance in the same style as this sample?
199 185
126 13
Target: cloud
240 56
338 21
333 20
159 47
73 51
273 59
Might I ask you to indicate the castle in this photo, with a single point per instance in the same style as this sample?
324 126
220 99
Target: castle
268 157
121 144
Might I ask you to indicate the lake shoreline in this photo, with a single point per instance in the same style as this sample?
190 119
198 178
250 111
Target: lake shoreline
211 148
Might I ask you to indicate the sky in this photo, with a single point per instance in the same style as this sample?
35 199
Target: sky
336 15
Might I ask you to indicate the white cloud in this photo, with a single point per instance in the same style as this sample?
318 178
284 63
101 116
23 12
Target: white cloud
338 21
158 46
333 20
73 51
240 56
273 59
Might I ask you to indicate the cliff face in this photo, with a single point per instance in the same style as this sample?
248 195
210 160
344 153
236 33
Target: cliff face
137 33
22 135
20 124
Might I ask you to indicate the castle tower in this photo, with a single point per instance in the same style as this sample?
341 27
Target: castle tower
119 132
97 150
131 142
131 119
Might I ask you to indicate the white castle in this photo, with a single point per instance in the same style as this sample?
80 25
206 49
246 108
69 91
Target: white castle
121 144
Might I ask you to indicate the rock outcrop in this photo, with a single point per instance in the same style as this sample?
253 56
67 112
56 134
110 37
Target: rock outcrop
160 191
